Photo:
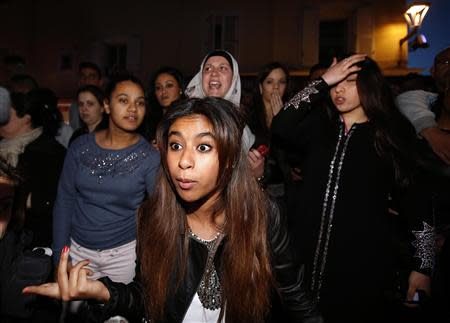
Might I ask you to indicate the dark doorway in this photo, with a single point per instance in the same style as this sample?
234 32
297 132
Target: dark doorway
333 39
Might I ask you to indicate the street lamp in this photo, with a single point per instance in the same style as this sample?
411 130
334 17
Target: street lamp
414 15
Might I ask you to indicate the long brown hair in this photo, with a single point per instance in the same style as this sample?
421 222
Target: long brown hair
245 265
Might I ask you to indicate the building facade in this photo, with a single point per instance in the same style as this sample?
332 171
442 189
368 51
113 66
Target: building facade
54 36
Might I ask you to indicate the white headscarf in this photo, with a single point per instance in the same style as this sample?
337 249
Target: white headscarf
195 86
11 149
195 90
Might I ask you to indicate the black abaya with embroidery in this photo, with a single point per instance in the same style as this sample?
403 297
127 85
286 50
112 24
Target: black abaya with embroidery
339 214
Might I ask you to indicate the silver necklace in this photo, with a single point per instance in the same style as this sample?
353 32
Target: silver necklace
209 291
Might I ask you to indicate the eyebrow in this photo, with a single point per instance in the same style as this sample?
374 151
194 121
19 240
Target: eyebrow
139 97
220 64
200 135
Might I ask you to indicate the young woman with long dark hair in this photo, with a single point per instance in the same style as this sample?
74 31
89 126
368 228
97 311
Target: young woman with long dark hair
356 155
211 245
270 95
166 86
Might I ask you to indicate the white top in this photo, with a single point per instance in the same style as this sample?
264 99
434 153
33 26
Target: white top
196 313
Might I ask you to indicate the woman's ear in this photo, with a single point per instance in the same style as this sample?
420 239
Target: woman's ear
106 106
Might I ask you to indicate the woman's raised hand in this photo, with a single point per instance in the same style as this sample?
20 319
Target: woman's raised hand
340 70
73 284
256 161
276 102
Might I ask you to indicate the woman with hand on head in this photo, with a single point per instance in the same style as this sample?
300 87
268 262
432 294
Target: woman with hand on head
92 112
218 242
356 155
106 176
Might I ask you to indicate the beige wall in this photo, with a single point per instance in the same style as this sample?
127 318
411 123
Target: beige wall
174 33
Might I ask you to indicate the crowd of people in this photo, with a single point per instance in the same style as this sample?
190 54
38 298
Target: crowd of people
182 203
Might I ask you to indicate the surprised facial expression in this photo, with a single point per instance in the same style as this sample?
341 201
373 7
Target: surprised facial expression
193 159
276 81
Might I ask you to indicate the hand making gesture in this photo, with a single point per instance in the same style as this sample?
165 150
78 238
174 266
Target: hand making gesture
73 284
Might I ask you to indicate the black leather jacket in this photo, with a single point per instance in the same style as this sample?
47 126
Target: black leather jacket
128 300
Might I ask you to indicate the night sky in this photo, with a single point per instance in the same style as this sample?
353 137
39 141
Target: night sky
436 28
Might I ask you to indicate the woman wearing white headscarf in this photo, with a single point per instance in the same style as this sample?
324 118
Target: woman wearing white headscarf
219 77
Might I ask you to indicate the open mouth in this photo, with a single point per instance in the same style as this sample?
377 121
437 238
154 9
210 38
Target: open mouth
215 85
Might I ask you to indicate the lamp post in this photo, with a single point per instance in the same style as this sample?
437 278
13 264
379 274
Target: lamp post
414 15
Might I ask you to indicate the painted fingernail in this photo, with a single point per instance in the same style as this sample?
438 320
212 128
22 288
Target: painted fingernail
24 291
65 249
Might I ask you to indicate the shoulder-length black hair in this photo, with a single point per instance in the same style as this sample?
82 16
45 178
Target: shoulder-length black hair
41 105
119 78
123 77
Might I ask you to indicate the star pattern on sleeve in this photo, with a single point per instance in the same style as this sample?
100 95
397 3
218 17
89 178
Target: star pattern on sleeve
303 95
